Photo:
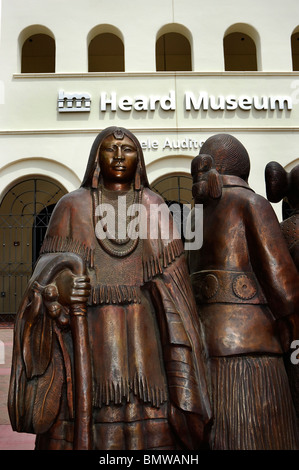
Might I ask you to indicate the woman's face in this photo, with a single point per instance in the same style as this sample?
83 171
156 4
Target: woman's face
118 159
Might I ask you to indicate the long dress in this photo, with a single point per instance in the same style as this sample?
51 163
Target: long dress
149 383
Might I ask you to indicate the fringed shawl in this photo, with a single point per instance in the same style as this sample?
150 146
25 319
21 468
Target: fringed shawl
72 229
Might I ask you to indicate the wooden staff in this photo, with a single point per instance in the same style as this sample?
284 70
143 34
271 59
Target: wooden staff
81 346
83 378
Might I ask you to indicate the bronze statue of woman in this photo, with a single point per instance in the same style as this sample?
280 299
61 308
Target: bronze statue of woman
108 352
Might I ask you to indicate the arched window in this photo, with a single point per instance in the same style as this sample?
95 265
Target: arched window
106 54
24 216
239 52
176 190
38 54
295 50
173 53
174 187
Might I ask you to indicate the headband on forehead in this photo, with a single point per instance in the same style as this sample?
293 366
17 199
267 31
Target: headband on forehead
119 134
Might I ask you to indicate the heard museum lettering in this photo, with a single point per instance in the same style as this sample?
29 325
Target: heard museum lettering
232 102
81 102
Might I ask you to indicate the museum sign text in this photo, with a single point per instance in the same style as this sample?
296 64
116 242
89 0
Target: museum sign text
201 101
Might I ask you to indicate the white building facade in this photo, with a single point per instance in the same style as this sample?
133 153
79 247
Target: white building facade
174 72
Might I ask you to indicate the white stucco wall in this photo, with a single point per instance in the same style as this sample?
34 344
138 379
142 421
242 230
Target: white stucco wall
35 137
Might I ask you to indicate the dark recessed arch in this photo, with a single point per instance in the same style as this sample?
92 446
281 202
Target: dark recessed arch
174 49
295 49
106 53
239 52
38 51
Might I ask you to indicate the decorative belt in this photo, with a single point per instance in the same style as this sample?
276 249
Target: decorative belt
227 287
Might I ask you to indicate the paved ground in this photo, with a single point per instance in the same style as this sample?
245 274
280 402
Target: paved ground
9 440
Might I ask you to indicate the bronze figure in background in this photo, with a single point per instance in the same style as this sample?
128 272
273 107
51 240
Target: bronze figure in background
108 351
281 184
246 287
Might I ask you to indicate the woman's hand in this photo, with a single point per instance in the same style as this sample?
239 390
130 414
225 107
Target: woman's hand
72 289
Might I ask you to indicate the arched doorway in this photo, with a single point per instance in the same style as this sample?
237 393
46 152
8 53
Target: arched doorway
25 212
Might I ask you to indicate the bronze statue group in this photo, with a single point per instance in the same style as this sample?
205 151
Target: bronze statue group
135 344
